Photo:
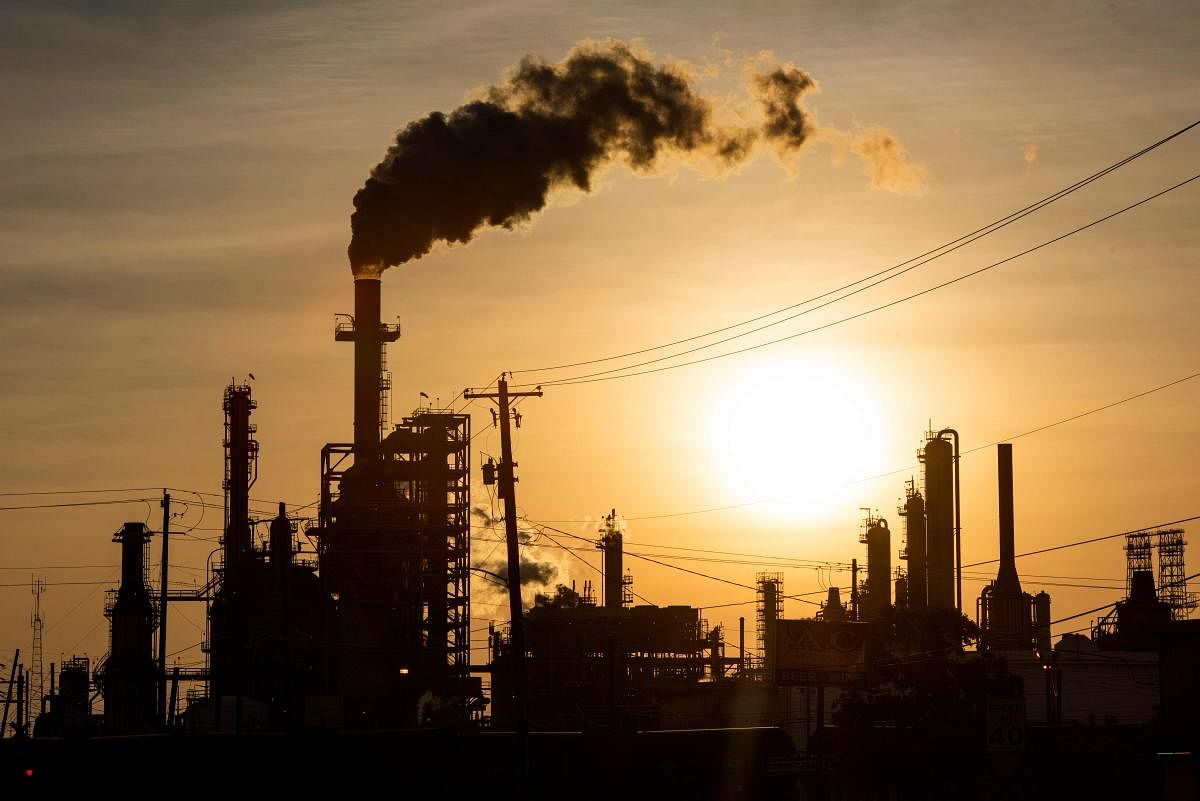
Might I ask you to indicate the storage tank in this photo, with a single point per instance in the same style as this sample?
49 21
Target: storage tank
937 457
879 568
913 512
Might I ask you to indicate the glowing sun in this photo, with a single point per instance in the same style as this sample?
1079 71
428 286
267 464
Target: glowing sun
796 434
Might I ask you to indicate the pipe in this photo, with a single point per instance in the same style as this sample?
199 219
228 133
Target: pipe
957 521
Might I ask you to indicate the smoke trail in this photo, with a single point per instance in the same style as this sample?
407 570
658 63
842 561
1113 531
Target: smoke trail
887 163
536 574
494 161
781 92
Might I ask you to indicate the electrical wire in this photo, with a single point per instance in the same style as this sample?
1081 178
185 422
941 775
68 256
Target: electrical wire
673 567
928 255
77 503
1089 541
606 375
1114 603
898 471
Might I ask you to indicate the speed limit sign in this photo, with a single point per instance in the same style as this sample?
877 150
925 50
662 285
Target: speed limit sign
1006 725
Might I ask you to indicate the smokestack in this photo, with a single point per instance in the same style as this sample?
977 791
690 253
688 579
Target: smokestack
369 336
1007 581
368 365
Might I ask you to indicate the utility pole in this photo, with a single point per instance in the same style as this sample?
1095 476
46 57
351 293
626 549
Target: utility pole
506 478
165 503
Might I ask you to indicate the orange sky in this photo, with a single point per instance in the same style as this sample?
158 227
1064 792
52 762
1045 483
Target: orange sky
174 205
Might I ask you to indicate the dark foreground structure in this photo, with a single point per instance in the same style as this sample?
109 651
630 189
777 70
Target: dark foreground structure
751 764
339 656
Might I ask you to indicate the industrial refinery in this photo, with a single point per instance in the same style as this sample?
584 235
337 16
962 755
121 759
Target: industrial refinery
798 412
351 629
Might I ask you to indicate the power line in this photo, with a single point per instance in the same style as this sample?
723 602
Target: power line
77 503
593 567
898 471
78 491
940 250
1114 603
673 567
605 375
1089 541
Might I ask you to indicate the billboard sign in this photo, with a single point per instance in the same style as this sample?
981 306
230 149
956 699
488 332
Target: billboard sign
820 652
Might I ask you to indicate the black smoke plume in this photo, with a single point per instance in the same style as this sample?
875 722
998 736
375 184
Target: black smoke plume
494 161
781 92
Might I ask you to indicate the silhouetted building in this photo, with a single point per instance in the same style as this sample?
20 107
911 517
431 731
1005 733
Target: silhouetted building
913 512
938 460
128 676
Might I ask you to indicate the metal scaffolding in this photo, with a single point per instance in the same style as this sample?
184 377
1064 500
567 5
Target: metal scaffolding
1138 557
1172 577
767 611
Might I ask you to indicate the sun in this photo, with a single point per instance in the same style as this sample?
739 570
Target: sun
796 434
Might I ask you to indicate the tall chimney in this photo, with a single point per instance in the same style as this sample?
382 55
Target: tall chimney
1007 581
368 361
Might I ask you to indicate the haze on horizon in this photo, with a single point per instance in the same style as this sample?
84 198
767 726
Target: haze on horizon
175 206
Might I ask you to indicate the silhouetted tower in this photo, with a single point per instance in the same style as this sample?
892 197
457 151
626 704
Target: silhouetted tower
937 457
371 379
1172 575
1004 610
241 471
878 539
901 596
74 695
1139 563
769 610
1138 621
833 611
612 545
129 676
1041 623
913 512
35 621
231 644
